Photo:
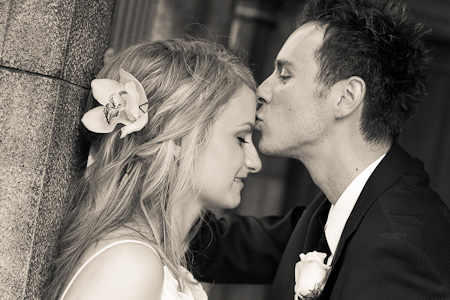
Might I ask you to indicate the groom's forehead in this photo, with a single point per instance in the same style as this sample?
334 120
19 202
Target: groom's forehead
308 35
303 41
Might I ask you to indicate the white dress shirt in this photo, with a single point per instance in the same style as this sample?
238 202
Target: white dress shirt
341 210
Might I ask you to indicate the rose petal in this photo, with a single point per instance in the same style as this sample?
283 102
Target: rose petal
103 88
135 126
310 274
318 256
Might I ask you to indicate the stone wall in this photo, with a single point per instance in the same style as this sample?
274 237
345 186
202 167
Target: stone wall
49 53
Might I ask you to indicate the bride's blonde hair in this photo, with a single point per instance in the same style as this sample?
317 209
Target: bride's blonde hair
137 181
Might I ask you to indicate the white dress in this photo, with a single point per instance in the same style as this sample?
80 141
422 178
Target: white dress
170 284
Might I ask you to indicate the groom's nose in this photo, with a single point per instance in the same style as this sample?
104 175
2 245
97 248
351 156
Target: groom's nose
264 93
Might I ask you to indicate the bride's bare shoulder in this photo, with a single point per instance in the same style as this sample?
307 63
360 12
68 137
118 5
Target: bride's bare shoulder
124 271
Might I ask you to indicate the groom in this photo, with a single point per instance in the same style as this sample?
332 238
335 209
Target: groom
344 84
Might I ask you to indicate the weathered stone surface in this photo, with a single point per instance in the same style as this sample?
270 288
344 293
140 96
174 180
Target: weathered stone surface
4 10
39 159
88 40
64 39
66 160
49 52
36 35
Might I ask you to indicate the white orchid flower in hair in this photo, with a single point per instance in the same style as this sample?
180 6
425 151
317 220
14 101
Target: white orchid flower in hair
122 101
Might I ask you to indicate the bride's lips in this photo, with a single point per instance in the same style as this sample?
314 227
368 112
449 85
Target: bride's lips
239 181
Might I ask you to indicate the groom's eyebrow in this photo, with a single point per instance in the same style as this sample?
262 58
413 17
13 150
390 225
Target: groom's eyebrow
280 63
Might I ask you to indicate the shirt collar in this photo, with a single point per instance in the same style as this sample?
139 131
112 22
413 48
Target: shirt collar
341 210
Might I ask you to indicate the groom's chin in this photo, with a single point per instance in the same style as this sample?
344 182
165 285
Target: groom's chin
266 148
272 148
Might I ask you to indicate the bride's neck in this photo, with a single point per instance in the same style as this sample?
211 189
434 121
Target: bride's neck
186 219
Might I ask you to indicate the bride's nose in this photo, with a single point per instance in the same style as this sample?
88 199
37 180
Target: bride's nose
252 161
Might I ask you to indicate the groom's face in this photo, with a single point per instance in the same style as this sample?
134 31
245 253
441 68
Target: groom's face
292 118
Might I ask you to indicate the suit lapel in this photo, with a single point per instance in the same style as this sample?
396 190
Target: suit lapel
316 226
307 232
303 237
389 171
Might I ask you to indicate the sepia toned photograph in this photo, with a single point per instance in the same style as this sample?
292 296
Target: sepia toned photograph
225 149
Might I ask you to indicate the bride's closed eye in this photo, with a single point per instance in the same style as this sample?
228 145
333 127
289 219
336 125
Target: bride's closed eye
242 140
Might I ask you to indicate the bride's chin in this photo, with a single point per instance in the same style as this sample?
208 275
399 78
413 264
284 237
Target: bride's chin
230 204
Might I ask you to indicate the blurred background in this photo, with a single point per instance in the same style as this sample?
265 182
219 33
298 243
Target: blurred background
256 30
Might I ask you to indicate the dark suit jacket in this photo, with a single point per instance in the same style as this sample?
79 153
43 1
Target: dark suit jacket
395 244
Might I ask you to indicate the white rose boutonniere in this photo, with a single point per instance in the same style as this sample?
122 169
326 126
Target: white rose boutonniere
311 275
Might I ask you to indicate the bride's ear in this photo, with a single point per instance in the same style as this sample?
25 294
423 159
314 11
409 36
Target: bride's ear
349 96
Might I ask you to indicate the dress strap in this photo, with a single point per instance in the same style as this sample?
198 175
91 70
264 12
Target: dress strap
97 254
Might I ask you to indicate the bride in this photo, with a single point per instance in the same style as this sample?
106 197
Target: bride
174 136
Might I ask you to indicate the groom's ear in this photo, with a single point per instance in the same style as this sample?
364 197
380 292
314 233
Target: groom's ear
349 96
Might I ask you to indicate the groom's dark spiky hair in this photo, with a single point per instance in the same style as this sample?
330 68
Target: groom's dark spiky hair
380 42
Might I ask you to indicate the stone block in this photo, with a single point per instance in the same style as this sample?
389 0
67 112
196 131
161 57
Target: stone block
41 155
4 10
88 40
65 39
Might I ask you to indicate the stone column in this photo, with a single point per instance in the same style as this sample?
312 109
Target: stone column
50 50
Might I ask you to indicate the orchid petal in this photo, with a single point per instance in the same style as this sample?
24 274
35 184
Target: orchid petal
121 103
135 126
95 121
127 77
133 106
103 88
